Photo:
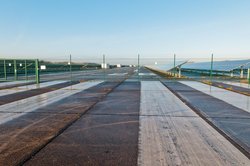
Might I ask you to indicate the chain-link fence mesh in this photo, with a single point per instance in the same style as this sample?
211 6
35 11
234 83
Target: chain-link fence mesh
17 69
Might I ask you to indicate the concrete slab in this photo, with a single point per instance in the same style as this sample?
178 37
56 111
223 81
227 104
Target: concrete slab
233 98
4 84
243 85
19 108
28 87
33 92
233 123
118 74
175 135
231 87
28 134
106 135
7 85
147 74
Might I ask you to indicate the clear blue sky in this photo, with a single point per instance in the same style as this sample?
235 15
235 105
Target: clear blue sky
124 28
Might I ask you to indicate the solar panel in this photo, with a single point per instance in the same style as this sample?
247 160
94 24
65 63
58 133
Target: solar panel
167 66
247 66
218 65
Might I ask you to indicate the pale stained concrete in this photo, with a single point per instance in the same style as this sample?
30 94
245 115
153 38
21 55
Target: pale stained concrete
16 109
3 84
172 134
28 87
147 74
118 74
233 98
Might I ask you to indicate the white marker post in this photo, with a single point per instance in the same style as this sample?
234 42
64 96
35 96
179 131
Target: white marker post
232 74
241 72
179 72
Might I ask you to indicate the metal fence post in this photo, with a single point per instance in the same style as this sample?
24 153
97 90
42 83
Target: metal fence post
138 67
37 71
15 70
104 66
179 75
174 64
25 68
211 69
103 60
4 69
248 75
70 68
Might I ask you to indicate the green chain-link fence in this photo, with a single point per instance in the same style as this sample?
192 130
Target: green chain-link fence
19 69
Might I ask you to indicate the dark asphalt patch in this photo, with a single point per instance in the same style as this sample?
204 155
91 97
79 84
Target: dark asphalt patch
24 136
232 122
99 139
33 92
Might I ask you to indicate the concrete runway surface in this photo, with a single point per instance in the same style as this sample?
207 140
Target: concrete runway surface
119 117
235 99
232 122
243 85
240 88
172 134
28 87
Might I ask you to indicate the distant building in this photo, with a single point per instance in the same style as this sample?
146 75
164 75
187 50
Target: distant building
118 65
